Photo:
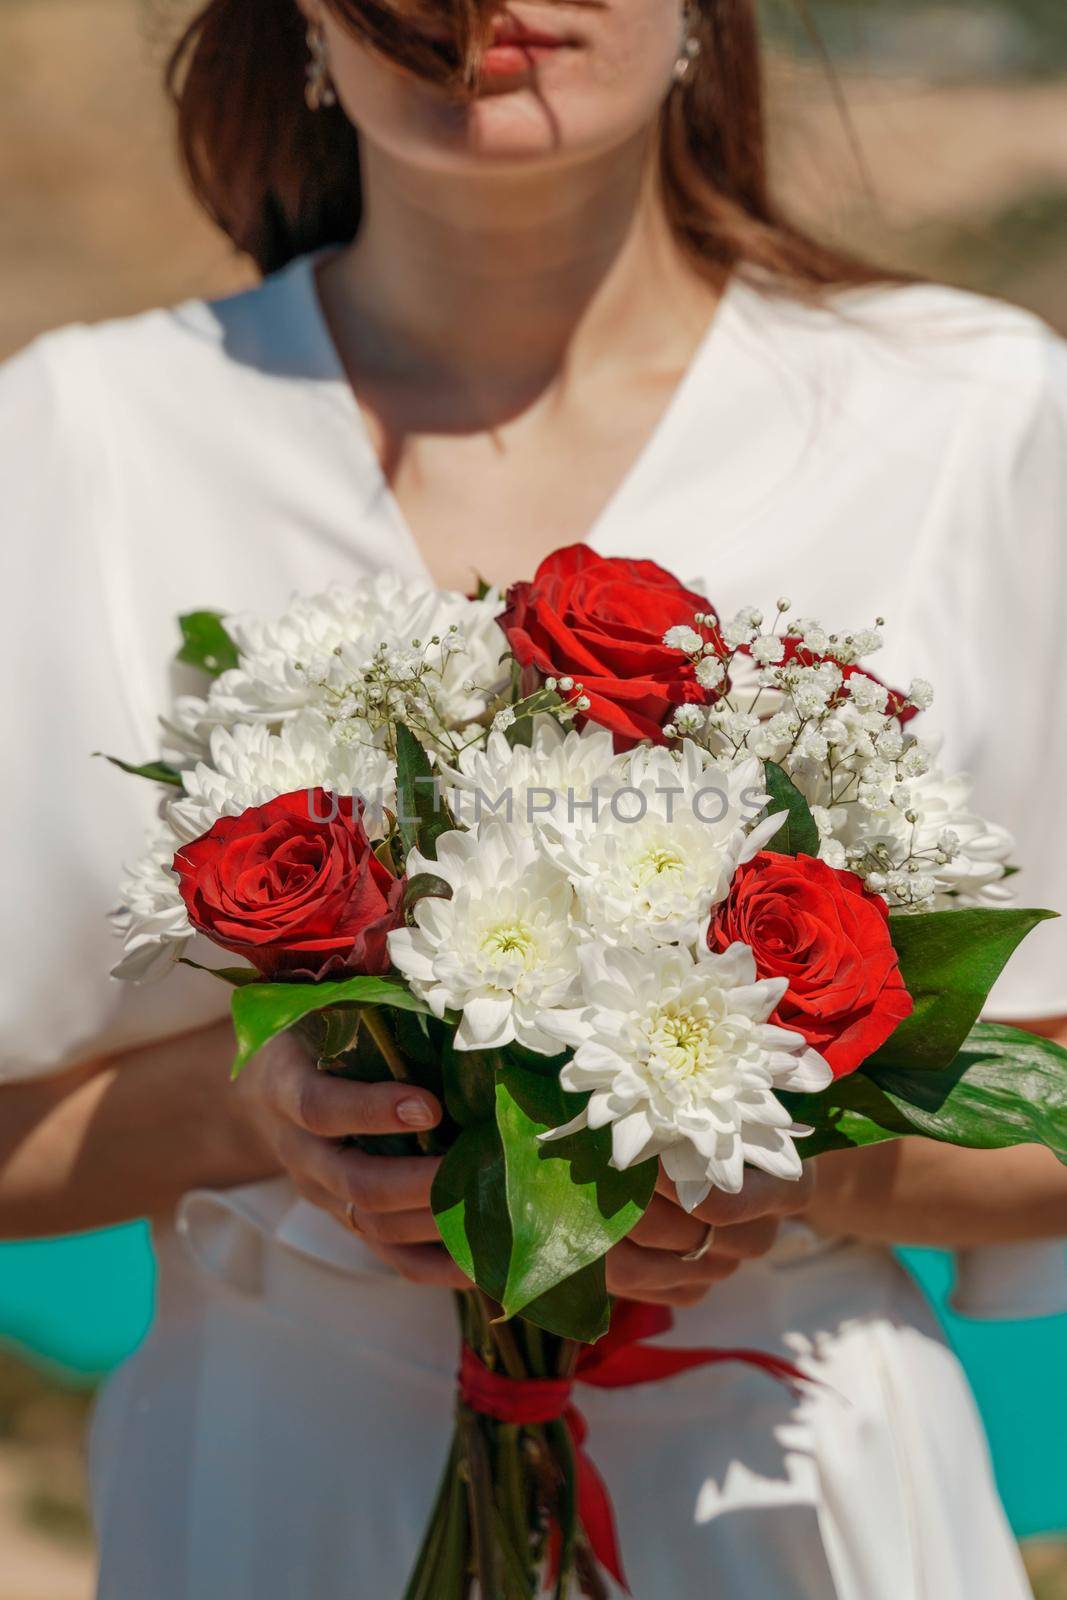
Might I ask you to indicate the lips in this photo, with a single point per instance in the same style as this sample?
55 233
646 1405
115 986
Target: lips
516 48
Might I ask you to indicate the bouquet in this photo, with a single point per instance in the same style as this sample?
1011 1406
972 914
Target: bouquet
627 885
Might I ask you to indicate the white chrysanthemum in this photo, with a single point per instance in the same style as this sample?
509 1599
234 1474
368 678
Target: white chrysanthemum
392 647
663 845
680 1060
151 918
549 781
502 950
248 765
959 858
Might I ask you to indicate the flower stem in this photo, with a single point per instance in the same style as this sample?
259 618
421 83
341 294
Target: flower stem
480 1502
386 1044
398 1067
430 1556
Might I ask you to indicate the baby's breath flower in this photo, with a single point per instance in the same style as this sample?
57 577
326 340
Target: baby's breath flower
689 719
742 628
685 639
866 693
768 649
710 672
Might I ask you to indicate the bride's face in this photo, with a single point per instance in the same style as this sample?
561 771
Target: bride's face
563 80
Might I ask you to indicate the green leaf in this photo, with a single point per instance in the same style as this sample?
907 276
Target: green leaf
949 961
335 1031
420 813
567 1205
205 642
425 886
156 771
798 835
238 976
1005 1087
263 1010
469 1201
577 1308
470 1083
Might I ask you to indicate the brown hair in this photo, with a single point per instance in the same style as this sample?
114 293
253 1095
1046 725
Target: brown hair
282 180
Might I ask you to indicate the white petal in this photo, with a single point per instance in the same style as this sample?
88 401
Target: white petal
487 1022
760 836
810 1073
688 1172
692 1193
600 1111
772 1150
575 1125
630 1139
757 1000
736 965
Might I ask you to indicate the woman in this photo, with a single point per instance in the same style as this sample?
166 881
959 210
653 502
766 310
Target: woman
542 295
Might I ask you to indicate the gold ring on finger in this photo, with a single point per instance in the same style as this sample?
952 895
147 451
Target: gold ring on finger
350 1218
703 1247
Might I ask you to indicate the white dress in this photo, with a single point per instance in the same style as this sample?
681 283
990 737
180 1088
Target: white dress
279 1434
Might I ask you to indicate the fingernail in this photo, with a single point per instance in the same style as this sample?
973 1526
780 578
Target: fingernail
416 1113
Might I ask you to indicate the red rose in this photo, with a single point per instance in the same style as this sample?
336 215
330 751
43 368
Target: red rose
297 896
829 935
601 620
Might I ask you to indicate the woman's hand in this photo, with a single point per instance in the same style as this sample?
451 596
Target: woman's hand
302 1115
650 1263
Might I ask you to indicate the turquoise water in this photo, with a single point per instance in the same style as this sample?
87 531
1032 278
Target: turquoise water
86 1302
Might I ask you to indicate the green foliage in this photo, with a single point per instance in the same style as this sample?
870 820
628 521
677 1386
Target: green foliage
949 961
1004 1087
567 1205
530 1223
205 643
155 771
263 1010
421 814
798 835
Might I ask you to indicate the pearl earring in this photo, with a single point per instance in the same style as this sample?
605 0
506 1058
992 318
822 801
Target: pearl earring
318 91
690 47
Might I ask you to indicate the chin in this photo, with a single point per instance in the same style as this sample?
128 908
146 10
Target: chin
521 127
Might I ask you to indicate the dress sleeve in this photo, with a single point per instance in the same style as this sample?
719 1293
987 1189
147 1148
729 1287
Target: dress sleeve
1002 599
69 821
1012 584
1008 1281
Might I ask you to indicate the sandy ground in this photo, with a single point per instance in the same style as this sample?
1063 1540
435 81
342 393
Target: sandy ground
969 182
34 1564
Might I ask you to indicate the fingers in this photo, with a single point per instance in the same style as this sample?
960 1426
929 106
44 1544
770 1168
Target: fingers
661 1276
334 1107
745 1241
760 1196
667 1227
428 1264
402 1241
370 1183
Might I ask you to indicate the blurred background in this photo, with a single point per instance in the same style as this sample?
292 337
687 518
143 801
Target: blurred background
941 146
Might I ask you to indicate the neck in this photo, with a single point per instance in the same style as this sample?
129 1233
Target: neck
509 278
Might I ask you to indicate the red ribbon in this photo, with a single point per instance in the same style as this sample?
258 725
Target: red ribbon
619 1361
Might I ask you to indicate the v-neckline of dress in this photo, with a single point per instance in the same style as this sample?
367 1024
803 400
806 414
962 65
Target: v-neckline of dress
329 365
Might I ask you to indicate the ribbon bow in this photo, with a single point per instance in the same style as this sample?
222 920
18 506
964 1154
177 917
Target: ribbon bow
619 1361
